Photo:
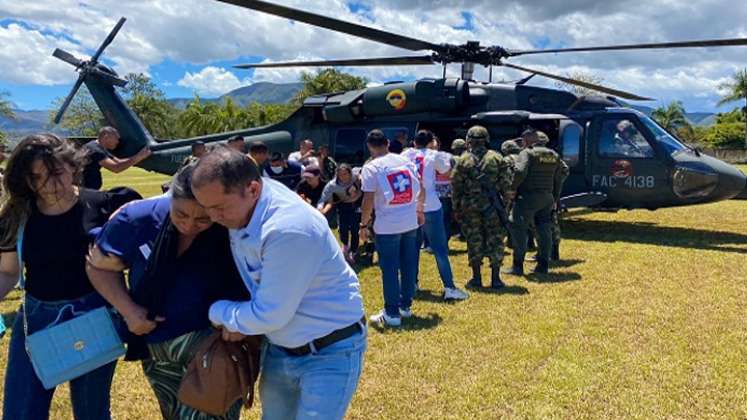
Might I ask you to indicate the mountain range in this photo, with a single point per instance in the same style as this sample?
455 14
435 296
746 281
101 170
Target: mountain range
34 121
261 92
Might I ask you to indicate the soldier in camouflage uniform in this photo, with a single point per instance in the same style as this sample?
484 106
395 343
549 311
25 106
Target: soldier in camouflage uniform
481 225
510 150
537 182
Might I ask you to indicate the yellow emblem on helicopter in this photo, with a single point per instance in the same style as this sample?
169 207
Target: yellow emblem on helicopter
397 99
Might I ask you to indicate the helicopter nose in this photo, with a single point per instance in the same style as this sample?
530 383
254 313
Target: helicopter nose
731 183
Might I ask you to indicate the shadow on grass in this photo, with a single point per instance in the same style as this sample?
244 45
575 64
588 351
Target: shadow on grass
565 263
428 296
505 290
553 277
414 323
453 252
651 233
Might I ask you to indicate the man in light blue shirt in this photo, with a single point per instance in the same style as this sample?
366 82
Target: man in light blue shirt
305 298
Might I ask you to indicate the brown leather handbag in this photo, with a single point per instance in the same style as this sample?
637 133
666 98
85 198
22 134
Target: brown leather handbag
220 374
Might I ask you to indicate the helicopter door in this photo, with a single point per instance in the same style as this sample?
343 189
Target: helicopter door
623 163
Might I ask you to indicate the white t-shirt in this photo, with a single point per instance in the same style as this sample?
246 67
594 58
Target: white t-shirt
394 181
428 163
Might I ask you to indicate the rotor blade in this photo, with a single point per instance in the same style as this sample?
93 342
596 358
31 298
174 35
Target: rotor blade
67 57
354 29
109 38
683 44
70 96
593 86
110 78
381 61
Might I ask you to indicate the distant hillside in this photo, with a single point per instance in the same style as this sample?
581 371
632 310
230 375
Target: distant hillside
695 118
261 92
26 122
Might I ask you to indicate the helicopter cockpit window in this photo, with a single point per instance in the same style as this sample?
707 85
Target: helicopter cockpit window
620 138
670 143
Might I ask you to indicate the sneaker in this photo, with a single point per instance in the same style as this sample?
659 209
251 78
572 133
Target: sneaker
452 293
428 250
385 320
405 312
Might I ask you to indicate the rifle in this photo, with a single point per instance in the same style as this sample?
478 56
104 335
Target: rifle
495 199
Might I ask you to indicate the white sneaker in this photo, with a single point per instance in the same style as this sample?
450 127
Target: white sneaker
405 313
385 320
452 293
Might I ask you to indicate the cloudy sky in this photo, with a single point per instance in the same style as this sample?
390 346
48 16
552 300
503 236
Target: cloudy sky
189 46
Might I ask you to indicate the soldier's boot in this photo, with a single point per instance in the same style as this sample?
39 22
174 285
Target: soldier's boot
476 281
555 254
517 268
495 278
543 267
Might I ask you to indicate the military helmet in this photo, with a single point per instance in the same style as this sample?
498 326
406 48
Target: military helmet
542 138
478 133
458 145
510 147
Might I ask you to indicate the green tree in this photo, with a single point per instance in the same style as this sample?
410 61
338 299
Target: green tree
727 135
327 81
200 118
671 117
260 115
150 105
6 110
82 117
692 134
736 90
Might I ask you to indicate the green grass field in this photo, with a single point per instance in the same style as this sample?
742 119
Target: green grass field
644 318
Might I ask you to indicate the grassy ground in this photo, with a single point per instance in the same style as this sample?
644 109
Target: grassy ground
645 318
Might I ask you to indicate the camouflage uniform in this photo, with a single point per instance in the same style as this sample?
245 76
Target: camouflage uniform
510 150
555 232
537 182
480 223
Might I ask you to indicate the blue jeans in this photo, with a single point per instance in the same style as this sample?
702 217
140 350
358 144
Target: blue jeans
398 260
25 397
319 385
435 230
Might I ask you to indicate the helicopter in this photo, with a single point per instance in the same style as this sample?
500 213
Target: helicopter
619 158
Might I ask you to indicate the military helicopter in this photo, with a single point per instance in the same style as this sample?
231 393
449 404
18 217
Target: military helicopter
619 157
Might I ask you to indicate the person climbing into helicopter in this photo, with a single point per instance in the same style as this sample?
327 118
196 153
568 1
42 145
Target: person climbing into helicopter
305 154
99 154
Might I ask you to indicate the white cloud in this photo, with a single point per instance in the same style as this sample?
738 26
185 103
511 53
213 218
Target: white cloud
20 63
208 32
210 81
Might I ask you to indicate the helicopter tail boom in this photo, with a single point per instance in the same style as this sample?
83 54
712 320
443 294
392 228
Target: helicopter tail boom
100 81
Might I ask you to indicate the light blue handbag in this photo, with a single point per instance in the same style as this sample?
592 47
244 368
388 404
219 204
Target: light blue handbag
66 350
